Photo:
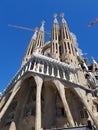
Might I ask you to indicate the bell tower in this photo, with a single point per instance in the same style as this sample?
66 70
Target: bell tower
36 43
30 48
55 39
67 47
40 37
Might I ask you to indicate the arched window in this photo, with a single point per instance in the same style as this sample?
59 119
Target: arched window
60 50
56 35
33 111
65 46
60 112
69 48
83 114
56 46
63 34
53 48
66 35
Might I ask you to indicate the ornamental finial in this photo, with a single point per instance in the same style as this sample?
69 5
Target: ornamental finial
55 15
62 15
36 29
43 23
55 18
35 33
42 26
63 19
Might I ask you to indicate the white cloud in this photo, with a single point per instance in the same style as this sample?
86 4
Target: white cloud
74 38
80 53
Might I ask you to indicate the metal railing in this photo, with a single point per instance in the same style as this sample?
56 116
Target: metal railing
72 128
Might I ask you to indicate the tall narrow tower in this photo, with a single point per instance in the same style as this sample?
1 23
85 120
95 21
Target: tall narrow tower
30 48
55 39
67 46
68 50
40 37
35 44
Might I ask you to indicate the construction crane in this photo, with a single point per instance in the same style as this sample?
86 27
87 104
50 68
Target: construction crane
92 23
26 28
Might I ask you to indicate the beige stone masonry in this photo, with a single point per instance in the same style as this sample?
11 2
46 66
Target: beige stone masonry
61 91
12 126
15 90
83 100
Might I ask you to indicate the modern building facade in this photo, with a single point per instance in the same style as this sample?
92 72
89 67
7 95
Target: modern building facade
54 88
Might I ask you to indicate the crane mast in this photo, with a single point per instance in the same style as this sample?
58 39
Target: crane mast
92 23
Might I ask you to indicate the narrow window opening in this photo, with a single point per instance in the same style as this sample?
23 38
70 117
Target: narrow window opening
60 50
69 48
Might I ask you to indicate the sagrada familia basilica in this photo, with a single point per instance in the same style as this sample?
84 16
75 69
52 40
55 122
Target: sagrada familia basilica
55 88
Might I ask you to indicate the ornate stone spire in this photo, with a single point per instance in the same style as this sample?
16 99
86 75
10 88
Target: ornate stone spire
55 28
67 47
35 34
62 16
42 26
55 18
40 37
30 47
55 39
64 28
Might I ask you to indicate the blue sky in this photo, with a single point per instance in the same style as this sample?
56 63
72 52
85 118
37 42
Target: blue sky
30 13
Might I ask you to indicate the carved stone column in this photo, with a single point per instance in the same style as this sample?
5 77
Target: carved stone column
39 82
30 65
12 126
47 70
64 77
52 74
15 90
34 67
61 91
58 73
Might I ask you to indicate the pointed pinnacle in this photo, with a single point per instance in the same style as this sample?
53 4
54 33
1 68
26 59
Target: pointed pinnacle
55 18
92 57
36 29
43 23
63 19
42 26
55 15
62 15
35 33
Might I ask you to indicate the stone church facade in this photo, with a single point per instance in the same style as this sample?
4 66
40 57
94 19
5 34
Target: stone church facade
54 88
